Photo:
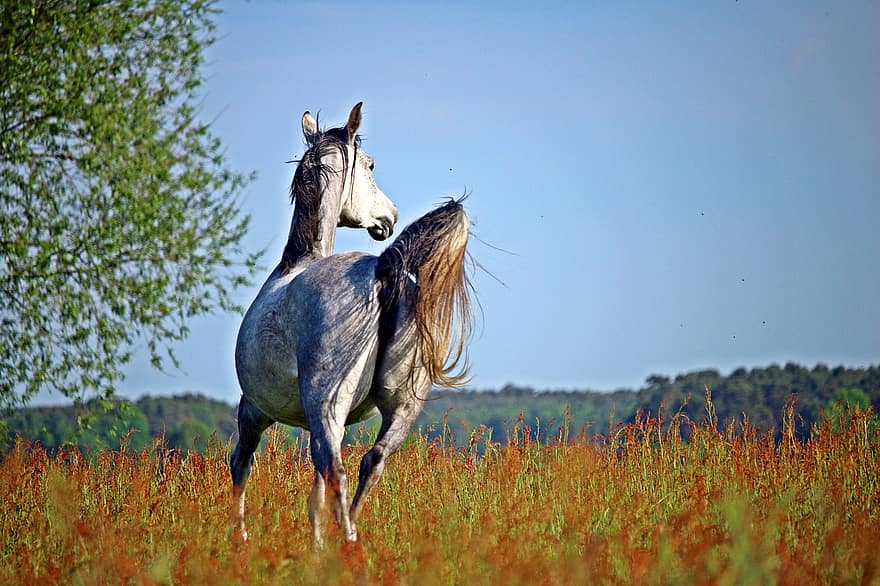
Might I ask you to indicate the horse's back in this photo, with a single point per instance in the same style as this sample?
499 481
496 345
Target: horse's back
331 287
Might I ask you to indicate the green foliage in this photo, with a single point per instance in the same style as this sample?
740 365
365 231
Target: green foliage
191 434
186 422
847 397
122 424
543 415
843 405
118 217
759 394
169 415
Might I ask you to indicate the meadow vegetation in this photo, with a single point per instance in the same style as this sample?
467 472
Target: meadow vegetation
637 504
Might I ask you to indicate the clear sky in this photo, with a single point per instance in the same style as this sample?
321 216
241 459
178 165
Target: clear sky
682 187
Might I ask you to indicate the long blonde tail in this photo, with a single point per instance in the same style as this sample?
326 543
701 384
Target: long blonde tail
432 250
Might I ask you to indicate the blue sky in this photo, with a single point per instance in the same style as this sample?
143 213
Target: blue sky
682 187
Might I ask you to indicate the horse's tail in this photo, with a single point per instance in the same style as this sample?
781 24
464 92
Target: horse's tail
432 251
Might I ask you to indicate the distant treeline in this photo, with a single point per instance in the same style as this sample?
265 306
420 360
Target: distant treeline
761 395
185 421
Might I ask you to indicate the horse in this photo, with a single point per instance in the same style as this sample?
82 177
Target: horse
332 339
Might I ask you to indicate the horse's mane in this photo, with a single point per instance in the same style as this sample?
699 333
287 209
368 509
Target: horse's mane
306 189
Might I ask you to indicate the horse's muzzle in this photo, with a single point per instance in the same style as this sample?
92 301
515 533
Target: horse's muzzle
383 230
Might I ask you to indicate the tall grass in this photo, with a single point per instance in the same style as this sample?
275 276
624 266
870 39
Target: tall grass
641 505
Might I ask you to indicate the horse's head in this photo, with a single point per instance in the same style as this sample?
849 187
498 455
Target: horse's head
362 204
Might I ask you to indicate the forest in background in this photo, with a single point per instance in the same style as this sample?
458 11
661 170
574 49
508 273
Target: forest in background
761 395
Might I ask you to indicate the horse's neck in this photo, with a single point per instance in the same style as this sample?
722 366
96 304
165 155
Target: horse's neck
328 217
311 238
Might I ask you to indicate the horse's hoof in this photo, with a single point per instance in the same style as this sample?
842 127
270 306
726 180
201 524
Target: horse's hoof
317 540
237 533
240 536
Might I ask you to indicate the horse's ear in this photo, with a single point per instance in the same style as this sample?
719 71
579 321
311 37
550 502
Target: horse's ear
354 121
310 127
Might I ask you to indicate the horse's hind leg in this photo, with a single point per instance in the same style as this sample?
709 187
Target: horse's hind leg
316 508
398 415
326 449
251 424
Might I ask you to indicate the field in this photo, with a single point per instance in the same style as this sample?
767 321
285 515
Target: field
641 505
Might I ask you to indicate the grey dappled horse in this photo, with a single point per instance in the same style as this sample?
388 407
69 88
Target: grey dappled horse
333 338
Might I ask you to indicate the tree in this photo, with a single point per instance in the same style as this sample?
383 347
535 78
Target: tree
119 215
125 425
839 410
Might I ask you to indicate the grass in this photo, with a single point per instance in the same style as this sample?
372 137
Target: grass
640 506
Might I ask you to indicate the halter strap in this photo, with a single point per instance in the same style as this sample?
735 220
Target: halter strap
351 186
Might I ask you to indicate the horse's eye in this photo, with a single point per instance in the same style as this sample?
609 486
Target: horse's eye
372 164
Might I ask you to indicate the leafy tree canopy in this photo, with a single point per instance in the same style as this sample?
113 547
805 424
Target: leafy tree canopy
119 216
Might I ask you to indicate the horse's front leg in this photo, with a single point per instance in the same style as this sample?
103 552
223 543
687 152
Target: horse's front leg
251 424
